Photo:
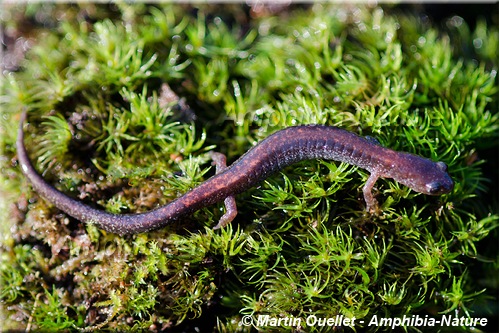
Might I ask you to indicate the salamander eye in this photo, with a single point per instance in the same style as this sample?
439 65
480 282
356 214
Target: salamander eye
442 166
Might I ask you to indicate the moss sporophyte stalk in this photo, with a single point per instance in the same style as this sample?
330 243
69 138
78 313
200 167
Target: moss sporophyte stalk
125 104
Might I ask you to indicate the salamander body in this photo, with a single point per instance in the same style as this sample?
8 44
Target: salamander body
280 149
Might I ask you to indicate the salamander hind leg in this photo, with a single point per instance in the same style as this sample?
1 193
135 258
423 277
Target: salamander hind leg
220 162
230 213
371 203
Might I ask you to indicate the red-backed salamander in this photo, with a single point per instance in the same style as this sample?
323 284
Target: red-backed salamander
280 149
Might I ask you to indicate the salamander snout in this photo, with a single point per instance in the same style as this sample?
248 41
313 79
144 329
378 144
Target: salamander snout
439 187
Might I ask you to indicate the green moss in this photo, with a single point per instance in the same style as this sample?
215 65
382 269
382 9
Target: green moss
124 103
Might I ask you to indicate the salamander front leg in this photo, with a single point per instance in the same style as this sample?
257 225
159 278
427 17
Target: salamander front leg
371 203
220 162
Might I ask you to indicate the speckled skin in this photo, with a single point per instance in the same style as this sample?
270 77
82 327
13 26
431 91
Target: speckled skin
280 149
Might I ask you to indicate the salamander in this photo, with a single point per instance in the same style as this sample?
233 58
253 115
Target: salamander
278 150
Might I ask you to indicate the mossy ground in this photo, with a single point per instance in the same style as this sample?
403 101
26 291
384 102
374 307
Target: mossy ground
124 103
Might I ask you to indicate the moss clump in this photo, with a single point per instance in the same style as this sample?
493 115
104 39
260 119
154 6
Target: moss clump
125 101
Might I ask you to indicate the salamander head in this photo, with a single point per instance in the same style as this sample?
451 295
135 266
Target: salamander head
442 183
424 176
